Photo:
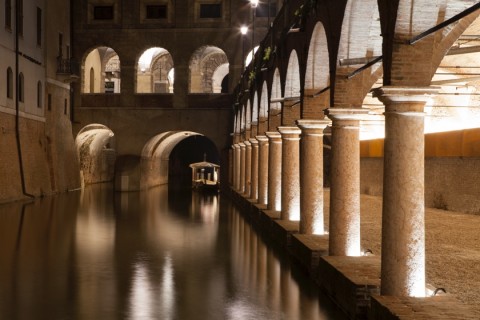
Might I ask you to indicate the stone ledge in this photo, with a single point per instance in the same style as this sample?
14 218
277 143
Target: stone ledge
308 249
349 281
438 307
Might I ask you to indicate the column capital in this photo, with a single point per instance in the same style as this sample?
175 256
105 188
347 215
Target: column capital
242 145
404 99
262 139
290 133
349 114
253 141
247 143
313 126
274 136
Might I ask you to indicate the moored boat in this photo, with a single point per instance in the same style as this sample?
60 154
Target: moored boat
205 175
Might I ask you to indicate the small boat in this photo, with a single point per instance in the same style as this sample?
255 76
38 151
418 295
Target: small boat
205 175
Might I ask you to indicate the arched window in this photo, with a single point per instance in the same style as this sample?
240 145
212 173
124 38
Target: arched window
21 88
39 94
155 71
208 68
101 71
9 83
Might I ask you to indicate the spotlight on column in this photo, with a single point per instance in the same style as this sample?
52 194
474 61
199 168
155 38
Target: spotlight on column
367 252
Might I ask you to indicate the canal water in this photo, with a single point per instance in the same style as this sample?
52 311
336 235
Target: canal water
158 254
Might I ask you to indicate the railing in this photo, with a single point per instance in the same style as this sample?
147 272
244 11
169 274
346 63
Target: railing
67 66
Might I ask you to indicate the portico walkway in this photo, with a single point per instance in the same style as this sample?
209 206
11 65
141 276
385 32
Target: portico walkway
452 255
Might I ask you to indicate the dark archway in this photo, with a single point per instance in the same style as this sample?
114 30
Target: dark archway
190 150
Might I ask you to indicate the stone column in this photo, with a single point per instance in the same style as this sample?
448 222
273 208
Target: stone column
236 169
274 170
248 168
243 148
403 224
290 173
311 176
254 171
230 166
344 238
262 169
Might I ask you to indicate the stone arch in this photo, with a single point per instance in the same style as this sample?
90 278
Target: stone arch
208 67
105 63
155 71
318 67
95 145
155 157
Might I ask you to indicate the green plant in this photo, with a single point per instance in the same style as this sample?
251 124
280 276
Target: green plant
266 54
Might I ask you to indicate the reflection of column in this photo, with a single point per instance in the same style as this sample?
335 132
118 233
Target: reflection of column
311 176
236 173
243 148
262 169
344 239
403 225
274 170
248 168
290 173
273 266
262 280
254 172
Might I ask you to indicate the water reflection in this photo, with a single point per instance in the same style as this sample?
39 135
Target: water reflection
97 254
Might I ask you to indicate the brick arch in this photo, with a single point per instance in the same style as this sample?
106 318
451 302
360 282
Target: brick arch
238 122
291 105
263 109
275 112
255 119
248 115
361 32
292 78
317 72
243 123
450 34
411 19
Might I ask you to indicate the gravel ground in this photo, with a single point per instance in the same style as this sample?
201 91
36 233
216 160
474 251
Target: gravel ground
452 247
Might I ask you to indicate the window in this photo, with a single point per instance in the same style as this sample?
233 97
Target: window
9 83
21 89
39 94
49 102
156 12
20 17
39 26
210 10
103 13
263 11
8 14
